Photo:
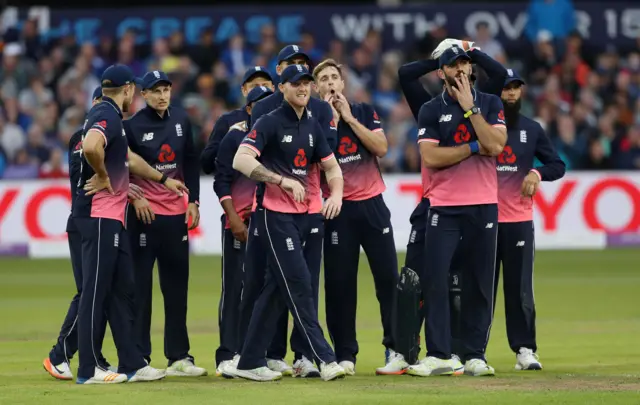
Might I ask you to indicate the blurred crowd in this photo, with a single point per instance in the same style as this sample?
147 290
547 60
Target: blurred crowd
587 99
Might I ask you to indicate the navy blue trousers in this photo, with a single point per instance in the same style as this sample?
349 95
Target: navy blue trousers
364 223
67 344
445 228
287 284
165 240
414 260
107 285
516 251
230 299
255 265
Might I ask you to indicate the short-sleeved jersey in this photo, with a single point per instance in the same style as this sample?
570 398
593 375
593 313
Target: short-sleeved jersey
525 141
474 180
360 169
166 144
230 183
220 129
106 119
288 146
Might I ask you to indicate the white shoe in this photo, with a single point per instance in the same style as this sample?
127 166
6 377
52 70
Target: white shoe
431 366
304 368
280 366
458 367
60 371
478 368
259 374
185 368
348 366
103 377
147 373
331 371
527 360
396 365
227 368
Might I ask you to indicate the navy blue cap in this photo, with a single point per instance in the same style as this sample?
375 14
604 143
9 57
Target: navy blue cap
254 71
258 93
295 73
512 76
117 76
152 78
97 93
451 55
289 51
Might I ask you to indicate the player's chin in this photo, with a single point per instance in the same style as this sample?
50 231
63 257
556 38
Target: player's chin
302 99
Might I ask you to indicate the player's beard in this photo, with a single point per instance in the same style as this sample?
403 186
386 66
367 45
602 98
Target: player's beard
512 111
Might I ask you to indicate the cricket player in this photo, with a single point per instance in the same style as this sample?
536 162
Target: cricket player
303 366
518 182
158 224
288 142
99 214
253 77
460 133
57 364
365 221
236 193
415 94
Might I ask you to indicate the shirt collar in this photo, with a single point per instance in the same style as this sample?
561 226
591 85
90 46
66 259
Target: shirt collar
448 100
113 104
152 112
291 113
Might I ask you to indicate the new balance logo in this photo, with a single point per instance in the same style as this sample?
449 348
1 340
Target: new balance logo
287 139
385 231
434 220
421 131
147 137
143 239
116 240
520 244
314 230
255 232
489 225
445 118
412 237
185 238
289 244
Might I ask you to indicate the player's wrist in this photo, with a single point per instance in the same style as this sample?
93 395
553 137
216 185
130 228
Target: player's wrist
163 179
475 147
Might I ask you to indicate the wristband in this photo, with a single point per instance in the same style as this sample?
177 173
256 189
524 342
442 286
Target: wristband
475 147
163 179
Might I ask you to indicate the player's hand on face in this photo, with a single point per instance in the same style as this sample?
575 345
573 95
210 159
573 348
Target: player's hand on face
530 185
332 207
341 104
97 183
144 212
135 192
329 98
294 187
176 186
463 92
239 230
193 212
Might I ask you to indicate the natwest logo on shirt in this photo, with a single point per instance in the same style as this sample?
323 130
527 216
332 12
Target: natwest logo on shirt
166 156
347 148
300 161
462 134
507 157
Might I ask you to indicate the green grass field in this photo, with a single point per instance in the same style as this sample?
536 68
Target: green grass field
588 334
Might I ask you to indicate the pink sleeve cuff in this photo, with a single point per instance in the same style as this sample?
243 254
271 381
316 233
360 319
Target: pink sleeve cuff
253 148
324 159
226 197
428 140
537 174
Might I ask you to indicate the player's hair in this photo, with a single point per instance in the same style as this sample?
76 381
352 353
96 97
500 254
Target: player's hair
110 91
327 63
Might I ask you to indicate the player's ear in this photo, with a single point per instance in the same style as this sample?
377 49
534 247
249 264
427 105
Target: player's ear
441 74
244 91
279 68
281 87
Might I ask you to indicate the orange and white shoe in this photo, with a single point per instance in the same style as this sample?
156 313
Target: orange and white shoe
61 371
458 367
103 377
396 365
